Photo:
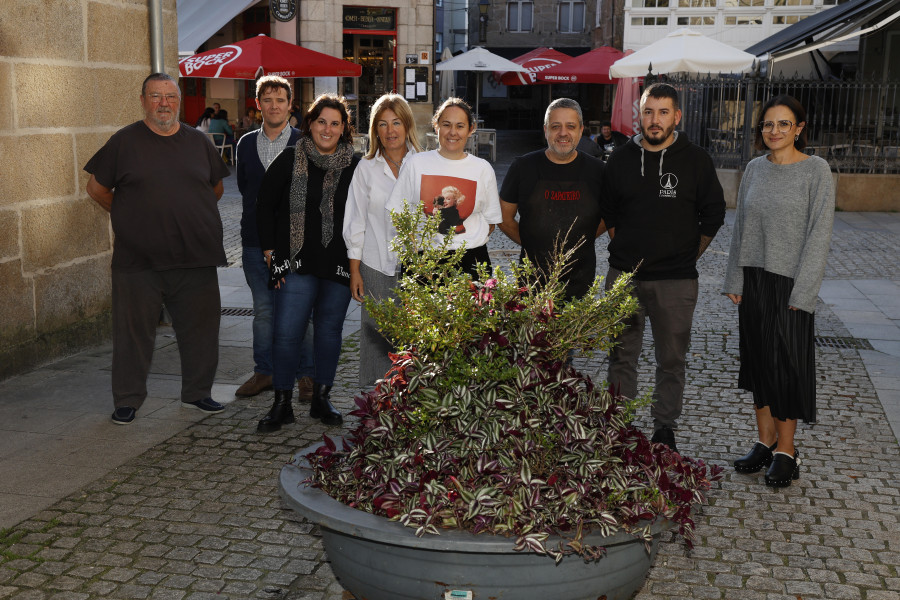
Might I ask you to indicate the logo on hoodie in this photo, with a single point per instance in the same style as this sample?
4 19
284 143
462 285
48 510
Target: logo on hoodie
668 182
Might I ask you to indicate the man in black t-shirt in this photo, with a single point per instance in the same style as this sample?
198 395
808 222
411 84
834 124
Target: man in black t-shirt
609 140
160 181
556 194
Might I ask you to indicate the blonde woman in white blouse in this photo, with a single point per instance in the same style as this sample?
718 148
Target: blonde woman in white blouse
367 224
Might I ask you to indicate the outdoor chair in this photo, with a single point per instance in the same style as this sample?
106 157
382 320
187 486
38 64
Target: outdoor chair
891 157
842 157
868 157
472 145
360 144
218 140
487 137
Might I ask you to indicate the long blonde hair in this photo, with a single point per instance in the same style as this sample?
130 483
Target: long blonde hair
400 106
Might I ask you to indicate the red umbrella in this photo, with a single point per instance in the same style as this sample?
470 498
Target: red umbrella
536 61
626 107
590 67
262 55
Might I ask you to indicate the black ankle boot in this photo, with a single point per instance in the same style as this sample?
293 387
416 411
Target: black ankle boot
759 456
784 468
281 413
321 407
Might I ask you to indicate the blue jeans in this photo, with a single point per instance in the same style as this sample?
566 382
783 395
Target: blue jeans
257 274
299 297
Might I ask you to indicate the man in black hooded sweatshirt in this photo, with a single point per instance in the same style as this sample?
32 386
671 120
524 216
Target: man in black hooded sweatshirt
663 204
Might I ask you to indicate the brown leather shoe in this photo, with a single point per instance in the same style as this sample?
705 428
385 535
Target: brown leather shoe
305 389
256 384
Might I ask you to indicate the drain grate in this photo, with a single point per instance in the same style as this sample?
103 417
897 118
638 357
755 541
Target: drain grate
846 343
237 312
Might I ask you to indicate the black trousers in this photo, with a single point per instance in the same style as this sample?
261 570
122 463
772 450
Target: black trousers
192 299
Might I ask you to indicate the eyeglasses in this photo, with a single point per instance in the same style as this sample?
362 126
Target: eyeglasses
769 126
170 98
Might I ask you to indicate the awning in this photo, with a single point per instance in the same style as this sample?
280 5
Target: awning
262 55
836 24
199 20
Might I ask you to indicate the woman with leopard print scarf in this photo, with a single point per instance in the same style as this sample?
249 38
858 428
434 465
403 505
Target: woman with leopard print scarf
302 196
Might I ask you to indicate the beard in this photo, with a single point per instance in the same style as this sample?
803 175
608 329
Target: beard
559 152
165 120
659 138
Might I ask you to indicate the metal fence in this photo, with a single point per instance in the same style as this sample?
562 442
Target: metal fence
854 125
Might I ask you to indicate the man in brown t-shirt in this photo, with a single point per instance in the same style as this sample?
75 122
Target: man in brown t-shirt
161 180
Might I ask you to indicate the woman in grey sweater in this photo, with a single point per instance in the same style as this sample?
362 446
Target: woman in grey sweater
782 232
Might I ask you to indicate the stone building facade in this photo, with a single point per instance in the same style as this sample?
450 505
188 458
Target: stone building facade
532 24
324 28
70 75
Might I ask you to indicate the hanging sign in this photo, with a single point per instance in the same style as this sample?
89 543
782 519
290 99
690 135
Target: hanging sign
283 10
375 19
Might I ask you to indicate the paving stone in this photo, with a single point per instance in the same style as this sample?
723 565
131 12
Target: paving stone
835 591
803 589
69 596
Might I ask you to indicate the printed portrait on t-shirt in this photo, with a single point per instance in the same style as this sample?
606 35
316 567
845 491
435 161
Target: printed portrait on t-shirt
454 197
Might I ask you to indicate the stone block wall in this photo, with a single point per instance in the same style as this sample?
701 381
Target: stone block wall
70 75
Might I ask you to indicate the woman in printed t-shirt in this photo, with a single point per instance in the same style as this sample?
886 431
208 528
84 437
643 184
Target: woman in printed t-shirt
461 186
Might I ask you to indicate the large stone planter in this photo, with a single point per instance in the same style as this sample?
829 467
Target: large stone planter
378 559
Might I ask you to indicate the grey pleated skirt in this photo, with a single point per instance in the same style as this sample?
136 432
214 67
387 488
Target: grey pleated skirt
777 349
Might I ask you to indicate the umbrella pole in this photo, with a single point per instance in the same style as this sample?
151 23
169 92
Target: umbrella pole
477 92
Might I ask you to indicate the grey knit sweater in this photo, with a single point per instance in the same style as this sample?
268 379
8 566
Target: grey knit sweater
784 218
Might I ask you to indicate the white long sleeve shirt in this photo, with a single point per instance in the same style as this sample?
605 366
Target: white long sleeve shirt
368 230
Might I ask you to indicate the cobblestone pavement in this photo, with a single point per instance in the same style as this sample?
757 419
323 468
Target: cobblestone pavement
198 516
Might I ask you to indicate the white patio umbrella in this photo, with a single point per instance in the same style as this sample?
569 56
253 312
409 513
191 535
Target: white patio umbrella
447 83
684 50
479 59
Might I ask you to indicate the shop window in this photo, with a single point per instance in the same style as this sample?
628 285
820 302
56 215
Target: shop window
519 16
696 21
438 42
649 21
651 3
697 3
787 19
740 20
571 16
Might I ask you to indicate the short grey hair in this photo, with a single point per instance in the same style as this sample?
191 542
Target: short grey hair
158 77
563 103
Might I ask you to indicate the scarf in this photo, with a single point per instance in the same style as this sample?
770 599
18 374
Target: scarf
333 165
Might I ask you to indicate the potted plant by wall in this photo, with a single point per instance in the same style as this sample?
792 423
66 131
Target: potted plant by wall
484 465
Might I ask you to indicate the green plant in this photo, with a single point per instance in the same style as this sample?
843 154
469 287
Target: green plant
482 424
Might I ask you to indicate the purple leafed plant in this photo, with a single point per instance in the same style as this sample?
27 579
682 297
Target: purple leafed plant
481 425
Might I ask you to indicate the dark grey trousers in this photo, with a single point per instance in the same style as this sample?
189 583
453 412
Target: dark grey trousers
192 299
373 347
670 306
